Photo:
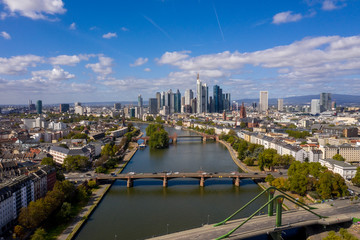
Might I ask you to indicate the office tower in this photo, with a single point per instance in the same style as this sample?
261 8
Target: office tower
79 110
211 107
280 104
162 99
202 96
153 103
39 106
64 107
177 101
77 104
242 111
315 106
263 104
117 106
333 105
158 99
140 101
189 95
227 101
193 105
217 99
325 101
182 100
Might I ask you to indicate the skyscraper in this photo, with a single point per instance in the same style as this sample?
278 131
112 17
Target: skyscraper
217 99
201 96
177 101
39 106
153 103
263 104
325 101
242 111
280 104
189 94
140 101
117 106
315 106
158 99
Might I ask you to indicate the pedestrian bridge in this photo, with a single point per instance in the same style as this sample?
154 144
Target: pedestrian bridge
166 176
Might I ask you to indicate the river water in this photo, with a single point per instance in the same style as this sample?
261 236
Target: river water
148 209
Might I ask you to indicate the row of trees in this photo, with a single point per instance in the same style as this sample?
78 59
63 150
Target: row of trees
57 203
298 134
311 177
159 138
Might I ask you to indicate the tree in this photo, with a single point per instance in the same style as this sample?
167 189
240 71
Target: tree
19 231
149 118
100 169
159 139
269 178
249 161
48 161
266 158
281 183
109 149
151 128
40 234
65 211
77 162
332 236
338 157
179 123
243 125
356 179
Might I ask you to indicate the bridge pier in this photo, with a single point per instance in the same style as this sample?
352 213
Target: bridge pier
130 183
236 181
204 139
202 181
165 182
279 202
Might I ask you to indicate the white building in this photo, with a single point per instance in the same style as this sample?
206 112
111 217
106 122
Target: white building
263 104
201 96
280 104
346 170
59 153
315 106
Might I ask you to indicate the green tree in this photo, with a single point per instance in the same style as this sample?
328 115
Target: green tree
332 236
77 162
151 128
39 234
338 157
243 125
19 231
249 161
65 211
356 179
159 139
100 169
179 123
269 178
149 118
266 158
109 149
48 161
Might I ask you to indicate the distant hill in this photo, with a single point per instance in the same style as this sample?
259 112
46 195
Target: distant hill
341 99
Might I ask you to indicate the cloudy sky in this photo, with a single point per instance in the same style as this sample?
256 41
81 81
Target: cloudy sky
67 51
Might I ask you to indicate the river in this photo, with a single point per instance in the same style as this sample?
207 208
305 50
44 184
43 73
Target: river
148 209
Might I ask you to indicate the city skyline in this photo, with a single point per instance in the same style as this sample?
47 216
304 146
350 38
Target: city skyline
55 50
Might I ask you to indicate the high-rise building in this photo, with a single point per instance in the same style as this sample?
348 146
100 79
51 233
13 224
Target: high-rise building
201 96
242 111
315 106
64 107
217 99
189 95
140 101
177 101
280 104
263 104
77 104
325 102
117 106
39 106
153 103
158 99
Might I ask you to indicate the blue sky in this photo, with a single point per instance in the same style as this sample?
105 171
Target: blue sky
67 51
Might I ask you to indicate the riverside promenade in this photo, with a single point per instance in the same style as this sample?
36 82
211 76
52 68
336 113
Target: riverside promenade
71 231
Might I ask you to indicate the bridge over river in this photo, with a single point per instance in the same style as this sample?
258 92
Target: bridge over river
337 212
201 176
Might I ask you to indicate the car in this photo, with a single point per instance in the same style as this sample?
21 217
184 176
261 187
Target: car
204 173
255 173
131 173
154 172
176 172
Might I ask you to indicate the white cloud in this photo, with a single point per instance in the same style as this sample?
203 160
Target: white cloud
102 68
109 35
285 17
124 29
56 74
329 5
18 64
147 69
69 60
72 26
173 57
5 35
138 62
35 9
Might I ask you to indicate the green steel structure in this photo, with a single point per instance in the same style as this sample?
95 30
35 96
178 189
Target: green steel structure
278 200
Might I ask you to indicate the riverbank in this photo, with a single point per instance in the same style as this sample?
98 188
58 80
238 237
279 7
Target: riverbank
70 232
233 155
